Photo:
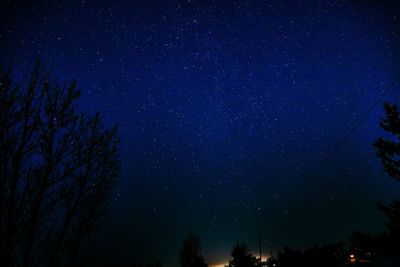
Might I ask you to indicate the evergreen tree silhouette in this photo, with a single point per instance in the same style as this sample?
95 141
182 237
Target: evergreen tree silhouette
190 254
388 150
241 256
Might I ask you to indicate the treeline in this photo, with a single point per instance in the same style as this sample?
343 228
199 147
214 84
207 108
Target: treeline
329 256
363 245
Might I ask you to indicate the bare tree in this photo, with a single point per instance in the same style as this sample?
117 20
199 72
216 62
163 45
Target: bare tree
58 168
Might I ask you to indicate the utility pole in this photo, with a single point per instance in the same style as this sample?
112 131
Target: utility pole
259 247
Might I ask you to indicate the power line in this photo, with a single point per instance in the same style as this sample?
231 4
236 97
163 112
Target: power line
357 125
360 161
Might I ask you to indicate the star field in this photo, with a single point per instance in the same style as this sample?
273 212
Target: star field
225 112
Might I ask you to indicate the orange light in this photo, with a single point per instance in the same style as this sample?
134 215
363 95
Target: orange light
351 256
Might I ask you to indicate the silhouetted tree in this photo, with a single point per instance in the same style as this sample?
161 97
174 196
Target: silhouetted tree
389 150
289 257
149 264
242 257
389 153
57 170
382 244
190 254
327 256
153 264
271 261
363 241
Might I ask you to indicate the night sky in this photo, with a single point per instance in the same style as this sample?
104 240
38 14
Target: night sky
228 114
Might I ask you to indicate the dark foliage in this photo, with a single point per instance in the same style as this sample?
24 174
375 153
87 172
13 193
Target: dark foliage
385 244
153 264
327 256
392 211
241 256
190 254
57 169
389 153
364 241
389 150
150 264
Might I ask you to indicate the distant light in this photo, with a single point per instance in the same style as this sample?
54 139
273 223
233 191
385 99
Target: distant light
352 256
